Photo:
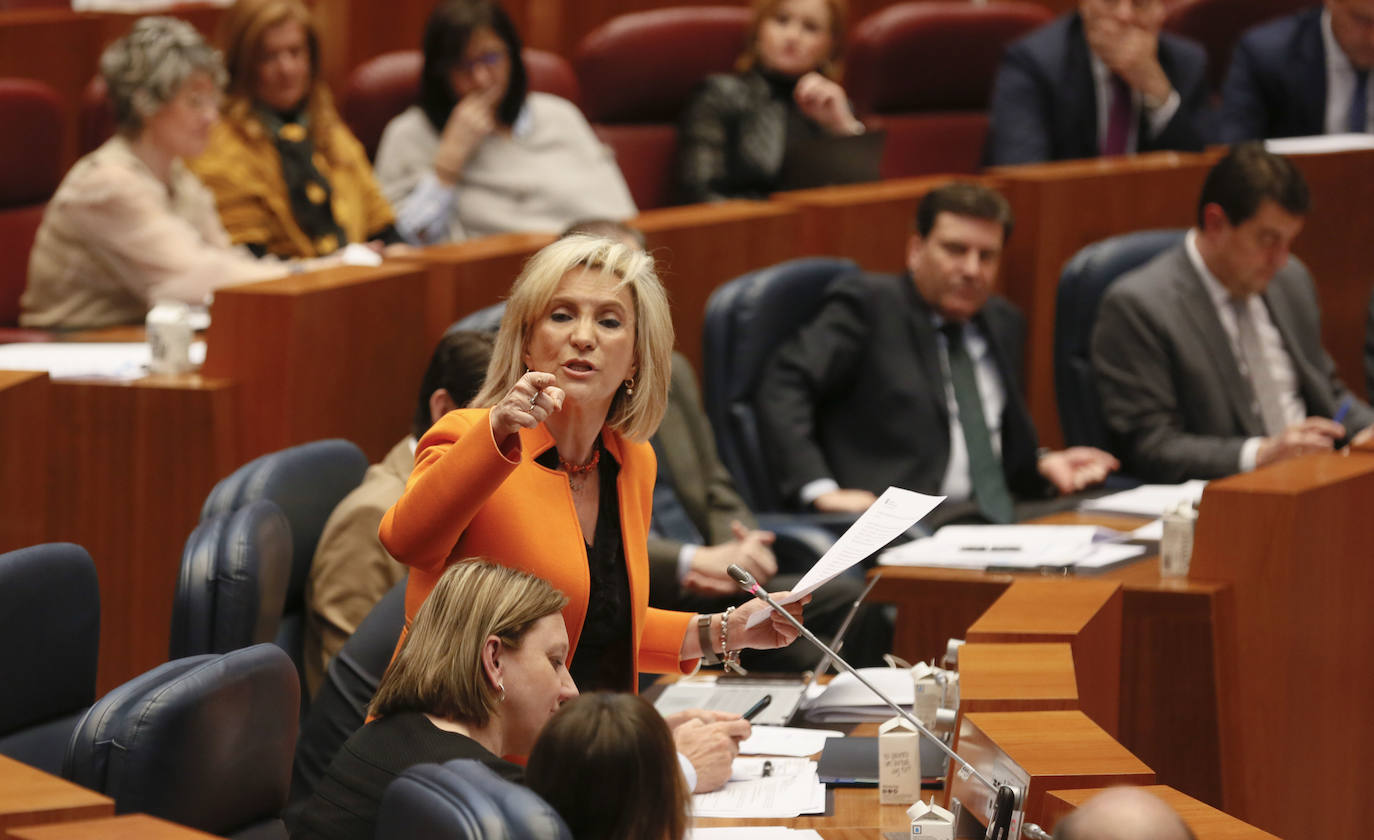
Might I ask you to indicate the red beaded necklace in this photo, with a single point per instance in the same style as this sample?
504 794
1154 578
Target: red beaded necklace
577 473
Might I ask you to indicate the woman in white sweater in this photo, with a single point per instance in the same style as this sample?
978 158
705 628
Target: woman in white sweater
480 154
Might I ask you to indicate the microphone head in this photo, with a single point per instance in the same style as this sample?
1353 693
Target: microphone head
744 579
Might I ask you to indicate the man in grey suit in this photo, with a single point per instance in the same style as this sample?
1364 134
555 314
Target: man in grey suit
1209 359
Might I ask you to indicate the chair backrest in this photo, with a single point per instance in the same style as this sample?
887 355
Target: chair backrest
30 170
50 621
96 120
897 68
204 741
638 71
232 588
340 706
1218 24
383 86
1082 283
465 800
746 319
306 482
486 319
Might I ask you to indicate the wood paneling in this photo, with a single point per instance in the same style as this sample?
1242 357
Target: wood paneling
28 796
1016 677
126 827
1294 538
25 435
334 353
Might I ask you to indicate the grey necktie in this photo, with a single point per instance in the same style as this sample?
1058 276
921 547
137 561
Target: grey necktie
1252 354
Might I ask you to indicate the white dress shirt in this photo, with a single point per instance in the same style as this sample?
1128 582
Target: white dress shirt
1340 84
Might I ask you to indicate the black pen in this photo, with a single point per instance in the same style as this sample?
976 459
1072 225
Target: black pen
758 707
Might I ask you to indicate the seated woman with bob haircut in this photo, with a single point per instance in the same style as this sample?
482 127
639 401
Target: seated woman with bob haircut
605 763
130 226
289 177
481 671
480 154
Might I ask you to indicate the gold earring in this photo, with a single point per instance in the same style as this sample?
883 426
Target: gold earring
629 387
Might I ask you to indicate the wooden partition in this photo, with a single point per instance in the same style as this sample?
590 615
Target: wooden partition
1025 677
1085 614
134 465
334 353
124 827
25 435
1040 752
1206 822
464 277
1295 691
28 796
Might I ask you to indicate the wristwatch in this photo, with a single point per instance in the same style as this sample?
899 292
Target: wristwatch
708 655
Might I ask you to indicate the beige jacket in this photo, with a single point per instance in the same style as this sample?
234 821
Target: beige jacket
115 240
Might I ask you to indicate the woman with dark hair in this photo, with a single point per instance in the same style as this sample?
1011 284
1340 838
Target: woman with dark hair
605 762
480 154
736 131
289 177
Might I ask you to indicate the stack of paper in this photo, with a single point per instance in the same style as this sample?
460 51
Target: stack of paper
752 832
786 740
1147 499
790 790
122 362
1015 548
846 699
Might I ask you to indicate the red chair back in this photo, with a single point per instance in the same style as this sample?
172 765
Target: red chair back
927 69
1218 24
97 120
30 170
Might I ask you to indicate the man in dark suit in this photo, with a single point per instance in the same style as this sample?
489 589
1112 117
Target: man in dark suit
1099 81
1208 358
1303 74
914 380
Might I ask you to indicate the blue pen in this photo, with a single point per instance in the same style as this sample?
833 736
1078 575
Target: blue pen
1343 410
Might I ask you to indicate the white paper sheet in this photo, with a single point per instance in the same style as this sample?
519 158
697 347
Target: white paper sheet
752 832
1320 144
786 740
1147 499
121 361
792 790
895 511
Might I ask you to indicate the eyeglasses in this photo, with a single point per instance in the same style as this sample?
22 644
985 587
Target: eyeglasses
486 59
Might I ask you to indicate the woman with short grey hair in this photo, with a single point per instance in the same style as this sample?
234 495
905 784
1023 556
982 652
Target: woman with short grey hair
130 226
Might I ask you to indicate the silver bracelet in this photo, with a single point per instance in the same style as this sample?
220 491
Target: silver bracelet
727 656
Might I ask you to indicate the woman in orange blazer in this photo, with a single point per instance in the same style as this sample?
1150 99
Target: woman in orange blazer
553 474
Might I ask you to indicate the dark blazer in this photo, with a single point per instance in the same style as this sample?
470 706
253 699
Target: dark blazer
858 394
686 449
1276 84
1172 392
1044 105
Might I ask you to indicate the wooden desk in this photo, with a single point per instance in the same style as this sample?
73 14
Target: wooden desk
1016 677
126 827
24 441
1295 537
28 796
1206 822
1168 699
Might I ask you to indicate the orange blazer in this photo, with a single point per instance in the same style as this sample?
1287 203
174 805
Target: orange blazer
466 498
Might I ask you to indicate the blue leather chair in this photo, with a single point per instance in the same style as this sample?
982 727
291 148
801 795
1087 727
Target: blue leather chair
465 800
50 621
306 482
232 586
204 741
340 706
486 319
746 320
1081 285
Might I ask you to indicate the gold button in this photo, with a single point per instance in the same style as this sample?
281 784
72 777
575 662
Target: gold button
327 244
315 193
293 132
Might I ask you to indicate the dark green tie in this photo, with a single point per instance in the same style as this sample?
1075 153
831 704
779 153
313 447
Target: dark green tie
985 468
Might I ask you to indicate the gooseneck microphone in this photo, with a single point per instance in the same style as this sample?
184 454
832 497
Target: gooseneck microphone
1005 796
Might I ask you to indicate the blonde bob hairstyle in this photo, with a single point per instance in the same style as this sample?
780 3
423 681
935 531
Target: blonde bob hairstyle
637 415
762 9
438 669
